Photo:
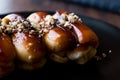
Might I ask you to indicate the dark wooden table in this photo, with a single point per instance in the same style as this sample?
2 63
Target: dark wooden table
7 6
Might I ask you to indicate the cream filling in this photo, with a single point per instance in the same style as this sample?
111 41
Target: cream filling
87 56
58 58
81 57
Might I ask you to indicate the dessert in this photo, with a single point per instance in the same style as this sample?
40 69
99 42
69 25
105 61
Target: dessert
29 47
66 29
62 37
7 55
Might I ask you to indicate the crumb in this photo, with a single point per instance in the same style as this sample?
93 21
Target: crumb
103 55
110 51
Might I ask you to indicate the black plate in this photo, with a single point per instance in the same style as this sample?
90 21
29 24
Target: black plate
106 69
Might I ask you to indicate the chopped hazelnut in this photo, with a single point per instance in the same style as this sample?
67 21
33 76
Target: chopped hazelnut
5 21
67 23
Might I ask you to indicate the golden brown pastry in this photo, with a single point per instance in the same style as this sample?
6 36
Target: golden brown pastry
36 17
29 47
7 55
65 29
58 41
30 50
86 38
62 37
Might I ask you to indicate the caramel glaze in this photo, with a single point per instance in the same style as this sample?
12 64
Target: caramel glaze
7 51
36 17
87 41
85 35
7 55
59 39
30 48
61 12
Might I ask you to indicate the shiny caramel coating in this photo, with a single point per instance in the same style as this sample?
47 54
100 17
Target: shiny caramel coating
29 47
85 35
36 17
59 39
7 55
7 50
87 40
